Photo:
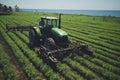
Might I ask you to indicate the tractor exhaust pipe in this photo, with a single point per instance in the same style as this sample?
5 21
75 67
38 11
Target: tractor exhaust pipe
59 25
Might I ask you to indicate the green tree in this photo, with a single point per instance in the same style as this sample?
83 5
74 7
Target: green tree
5 9
1 7
10 8
16 8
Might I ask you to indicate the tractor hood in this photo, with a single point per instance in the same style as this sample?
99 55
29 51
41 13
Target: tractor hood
58 32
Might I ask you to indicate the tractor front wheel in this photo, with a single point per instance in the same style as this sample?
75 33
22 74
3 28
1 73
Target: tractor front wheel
50 44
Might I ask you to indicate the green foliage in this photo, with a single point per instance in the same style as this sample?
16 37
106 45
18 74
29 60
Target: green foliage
100 33
65 70
5 10
8 69
17 8
82 70
26 65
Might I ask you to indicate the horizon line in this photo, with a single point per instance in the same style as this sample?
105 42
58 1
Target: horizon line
72 9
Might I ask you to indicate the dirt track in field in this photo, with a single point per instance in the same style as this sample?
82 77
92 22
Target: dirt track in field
13 60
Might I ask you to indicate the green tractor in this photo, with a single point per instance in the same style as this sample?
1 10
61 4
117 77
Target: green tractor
54 43
49 34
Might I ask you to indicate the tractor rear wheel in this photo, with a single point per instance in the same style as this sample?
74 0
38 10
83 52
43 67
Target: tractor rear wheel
32 37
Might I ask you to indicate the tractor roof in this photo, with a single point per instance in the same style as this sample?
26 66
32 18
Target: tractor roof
49 18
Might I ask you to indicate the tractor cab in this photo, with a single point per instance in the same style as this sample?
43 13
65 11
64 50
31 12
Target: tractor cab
49 22
52 29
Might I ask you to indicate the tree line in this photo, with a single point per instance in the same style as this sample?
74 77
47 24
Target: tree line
4 9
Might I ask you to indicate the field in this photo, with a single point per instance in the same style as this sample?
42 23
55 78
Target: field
101 34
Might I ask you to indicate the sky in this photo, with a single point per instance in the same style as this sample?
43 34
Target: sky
65 4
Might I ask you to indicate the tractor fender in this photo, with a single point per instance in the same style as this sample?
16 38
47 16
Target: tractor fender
37 31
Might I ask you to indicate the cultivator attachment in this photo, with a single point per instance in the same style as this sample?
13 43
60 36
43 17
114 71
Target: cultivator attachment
18 28
58 54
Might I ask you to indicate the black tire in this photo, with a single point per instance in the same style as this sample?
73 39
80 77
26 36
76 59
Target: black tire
50 44
32 37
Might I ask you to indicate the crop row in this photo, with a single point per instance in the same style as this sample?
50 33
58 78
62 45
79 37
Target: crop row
98 43
95 26
87 40
69 74
103 72
102 61
100 36
100 50
81 69
106 59
103 64
89 27
95 40
26 65
8 69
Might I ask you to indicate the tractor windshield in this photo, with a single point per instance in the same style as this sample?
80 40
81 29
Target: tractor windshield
51 21
54 22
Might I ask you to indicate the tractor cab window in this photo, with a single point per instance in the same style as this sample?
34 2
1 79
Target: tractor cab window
54 22
51 22
48 22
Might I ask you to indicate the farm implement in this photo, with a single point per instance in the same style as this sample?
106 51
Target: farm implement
53 42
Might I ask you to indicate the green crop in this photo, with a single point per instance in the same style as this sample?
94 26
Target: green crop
101 34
